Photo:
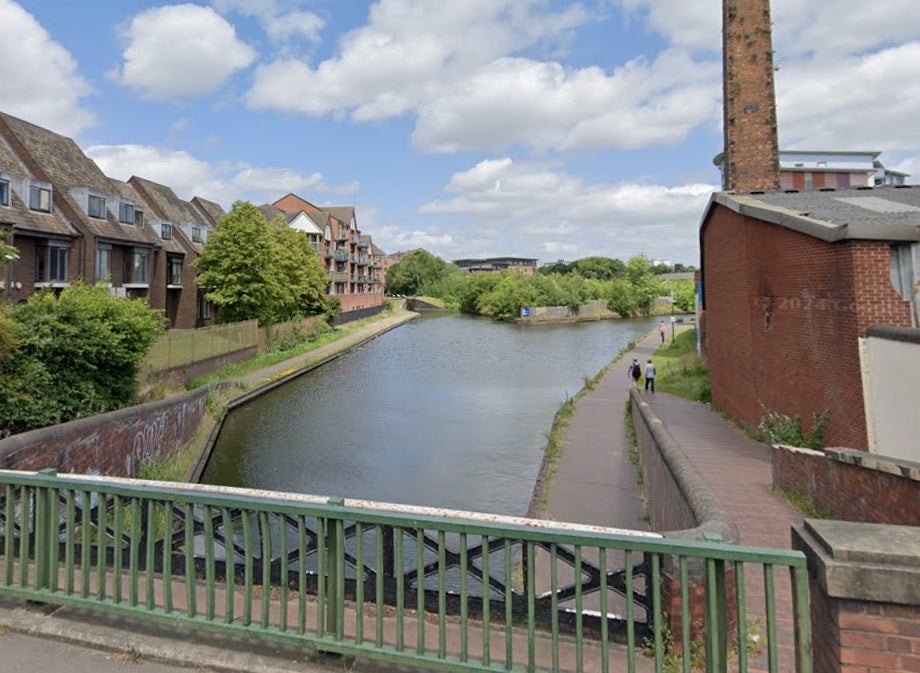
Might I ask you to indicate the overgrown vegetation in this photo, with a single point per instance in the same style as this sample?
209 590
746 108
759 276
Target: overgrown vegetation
680 370
777 428
630 289
803 503
673 659
71 355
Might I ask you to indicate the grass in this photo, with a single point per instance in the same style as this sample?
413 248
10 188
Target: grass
268 358
179 466
803 503
434 301
680 370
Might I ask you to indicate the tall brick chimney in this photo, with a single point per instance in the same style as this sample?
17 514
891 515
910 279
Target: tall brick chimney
751 155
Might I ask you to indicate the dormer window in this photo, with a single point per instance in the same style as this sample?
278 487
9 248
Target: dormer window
126 213
166 231
4 192
96 207
196 234
40 198
138 217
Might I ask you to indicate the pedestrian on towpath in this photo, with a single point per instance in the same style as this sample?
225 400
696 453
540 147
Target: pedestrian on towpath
661 330
635 371
650 376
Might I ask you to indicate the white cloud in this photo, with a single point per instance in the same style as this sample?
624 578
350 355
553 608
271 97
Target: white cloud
544 106
395 63
284 27
509 208
223 182
41 82
180 51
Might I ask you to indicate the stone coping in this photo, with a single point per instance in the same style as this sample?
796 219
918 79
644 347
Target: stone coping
862 561
897 467
714 521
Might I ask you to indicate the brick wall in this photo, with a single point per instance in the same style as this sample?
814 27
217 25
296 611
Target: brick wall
114 444
783 314
852 485
353 302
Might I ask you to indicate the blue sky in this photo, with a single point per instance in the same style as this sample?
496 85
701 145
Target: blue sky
471 128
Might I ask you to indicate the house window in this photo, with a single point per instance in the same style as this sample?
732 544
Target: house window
126 213
204 308
96 207
166 230
136 266
138 217
51 263
196 234
174 271
40 199
103 263
809 183
4 192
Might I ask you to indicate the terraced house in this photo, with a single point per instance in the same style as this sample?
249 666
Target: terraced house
183 229
70 221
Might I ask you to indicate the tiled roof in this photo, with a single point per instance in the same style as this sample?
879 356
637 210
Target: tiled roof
211 210
127 191
68 168
270 212
879 213
345 214
46 224
377 252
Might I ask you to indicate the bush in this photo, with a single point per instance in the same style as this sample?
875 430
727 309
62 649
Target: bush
76 354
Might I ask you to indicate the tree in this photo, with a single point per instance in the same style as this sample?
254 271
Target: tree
622 298
259 270
416 273
599 268
72 355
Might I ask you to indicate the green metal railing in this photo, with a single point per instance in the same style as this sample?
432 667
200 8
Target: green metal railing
422 587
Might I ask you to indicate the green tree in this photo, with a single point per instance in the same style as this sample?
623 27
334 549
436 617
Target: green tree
7 252
622 298
599 268
417 273
646 285
258 270
72 355
471 289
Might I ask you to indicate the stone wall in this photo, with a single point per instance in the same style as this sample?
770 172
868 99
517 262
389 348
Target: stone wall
851 485
114 444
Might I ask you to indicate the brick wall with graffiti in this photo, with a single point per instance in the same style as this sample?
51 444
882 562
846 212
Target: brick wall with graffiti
115 444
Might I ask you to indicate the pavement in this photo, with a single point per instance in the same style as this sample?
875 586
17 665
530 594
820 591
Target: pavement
594 483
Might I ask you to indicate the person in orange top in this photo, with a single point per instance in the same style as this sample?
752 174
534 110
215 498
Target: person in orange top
661 330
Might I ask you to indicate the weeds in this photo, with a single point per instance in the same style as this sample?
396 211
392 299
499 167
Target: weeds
803 503
777 428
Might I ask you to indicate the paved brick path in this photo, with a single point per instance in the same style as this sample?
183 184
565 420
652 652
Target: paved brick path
595 482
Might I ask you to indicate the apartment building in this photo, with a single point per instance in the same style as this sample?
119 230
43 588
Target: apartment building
355 272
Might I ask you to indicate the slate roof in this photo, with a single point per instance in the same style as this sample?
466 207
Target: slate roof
377 252
880 213
270 212
68 168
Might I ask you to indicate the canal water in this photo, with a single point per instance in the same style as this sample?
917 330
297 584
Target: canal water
444 411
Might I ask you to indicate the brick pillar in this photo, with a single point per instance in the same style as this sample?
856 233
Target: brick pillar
865 595
751 154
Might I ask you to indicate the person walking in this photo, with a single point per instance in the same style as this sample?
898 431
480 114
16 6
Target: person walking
661 330
649 376
635 371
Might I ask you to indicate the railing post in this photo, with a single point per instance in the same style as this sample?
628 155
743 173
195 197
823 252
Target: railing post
389 553
46 530
335 572
716 627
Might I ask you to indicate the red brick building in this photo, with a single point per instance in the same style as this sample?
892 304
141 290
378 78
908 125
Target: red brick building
791 281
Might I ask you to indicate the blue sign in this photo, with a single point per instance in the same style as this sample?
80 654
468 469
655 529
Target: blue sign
525 311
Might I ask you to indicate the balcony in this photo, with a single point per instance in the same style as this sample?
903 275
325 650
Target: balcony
364 243
341 235
363 261
341 255
330 253
340 277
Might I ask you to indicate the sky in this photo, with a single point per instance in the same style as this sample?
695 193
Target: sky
470 128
